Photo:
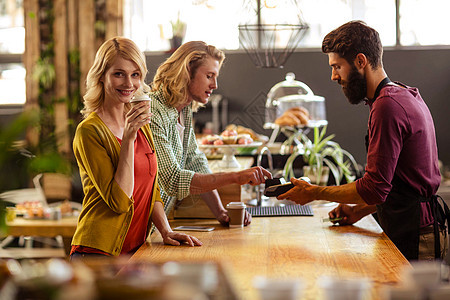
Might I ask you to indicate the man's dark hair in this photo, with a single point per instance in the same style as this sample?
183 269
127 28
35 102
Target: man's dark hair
352 38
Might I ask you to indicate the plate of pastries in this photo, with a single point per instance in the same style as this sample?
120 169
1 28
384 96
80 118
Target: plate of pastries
234 135
241 138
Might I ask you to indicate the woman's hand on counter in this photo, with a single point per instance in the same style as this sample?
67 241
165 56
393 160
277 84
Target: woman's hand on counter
170 237
178 238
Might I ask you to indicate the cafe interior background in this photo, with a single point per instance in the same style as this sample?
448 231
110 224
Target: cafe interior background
46 48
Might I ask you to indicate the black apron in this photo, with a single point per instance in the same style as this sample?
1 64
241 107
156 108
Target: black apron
399 216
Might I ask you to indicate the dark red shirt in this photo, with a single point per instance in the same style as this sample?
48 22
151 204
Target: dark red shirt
402 140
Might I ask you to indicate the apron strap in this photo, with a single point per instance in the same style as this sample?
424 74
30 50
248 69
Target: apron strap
441 215
437 237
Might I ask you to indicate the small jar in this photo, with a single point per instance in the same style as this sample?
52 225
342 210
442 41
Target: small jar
11 214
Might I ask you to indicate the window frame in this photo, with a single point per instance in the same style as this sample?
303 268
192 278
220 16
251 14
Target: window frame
6 58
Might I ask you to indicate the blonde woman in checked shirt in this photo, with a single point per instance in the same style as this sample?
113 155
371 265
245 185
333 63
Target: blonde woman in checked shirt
182 83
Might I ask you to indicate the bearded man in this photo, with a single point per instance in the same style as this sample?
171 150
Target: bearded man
402 175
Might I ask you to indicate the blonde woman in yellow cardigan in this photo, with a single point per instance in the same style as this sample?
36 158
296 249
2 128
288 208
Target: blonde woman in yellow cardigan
114 149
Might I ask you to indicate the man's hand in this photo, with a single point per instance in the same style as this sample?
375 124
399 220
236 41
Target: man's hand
351 214
253 176
302 193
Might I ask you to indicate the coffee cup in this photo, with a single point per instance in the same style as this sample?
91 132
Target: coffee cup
423 274
278 288
344 289
236 212
138 98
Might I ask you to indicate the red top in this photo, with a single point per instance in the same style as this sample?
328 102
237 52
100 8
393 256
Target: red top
145 167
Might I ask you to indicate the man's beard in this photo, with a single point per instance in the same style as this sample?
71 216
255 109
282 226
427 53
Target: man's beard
355 88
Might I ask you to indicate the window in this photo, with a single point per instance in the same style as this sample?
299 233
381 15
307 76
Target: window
424 22
322 16
149 22
152 24
12 83
12 42
12 31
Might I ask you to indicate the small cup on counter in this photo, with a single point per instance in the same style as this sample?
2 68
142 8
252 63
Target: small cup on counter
236 212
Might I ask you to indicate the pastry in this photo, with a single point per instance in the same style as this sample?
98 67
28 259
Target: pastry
243 130
229 136
294 116
244 139
210 139
299 108
288 119
301 115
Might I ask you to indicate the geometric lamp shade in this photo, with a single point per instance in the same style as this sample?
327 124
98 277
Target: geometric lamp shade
272 31
270 45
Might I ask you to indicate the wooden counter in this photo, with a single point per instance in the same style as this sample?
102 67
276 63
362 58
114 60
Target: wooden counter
286 247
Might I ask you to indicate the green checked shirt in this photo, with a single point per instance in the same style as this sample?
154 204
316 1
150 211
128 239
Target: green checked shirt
177 162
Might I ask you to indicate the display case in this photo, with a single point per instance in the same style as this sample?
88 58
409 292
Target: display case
292 107
293 103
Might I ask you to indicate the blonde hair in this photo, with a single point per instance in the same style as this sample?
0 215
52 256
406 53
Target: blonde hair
105 57
176 73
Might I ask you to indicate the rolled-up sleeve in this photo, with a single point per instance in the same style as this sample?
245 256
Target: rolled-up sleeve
94 160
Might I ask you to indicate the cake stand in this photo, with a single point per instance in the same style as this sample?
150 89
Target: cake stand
229 161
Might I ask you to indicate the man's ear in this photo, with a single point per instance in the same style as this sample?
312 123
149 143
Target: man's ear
361 61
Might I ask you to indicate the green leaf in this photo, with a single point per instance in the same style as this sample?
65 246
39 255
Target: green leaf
334 170
322 150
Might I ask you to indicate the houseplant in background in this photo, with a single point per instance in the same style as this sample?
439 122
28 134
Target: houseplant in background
321 156
11 175
178 33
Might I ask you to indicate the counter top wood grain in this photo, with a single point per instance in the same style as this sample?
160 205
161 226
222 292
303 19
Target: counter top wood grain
287 247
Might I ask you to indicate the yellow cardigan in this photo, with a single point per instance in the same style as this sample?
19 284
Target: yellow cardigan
107 211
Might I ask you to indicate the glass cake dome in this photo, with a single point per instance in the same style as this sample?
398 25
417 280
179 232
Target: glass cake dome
293 103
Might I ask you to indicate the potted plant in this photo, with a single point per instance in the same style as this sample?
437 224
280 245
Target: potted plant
11 175
56 168
322 156
178 33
